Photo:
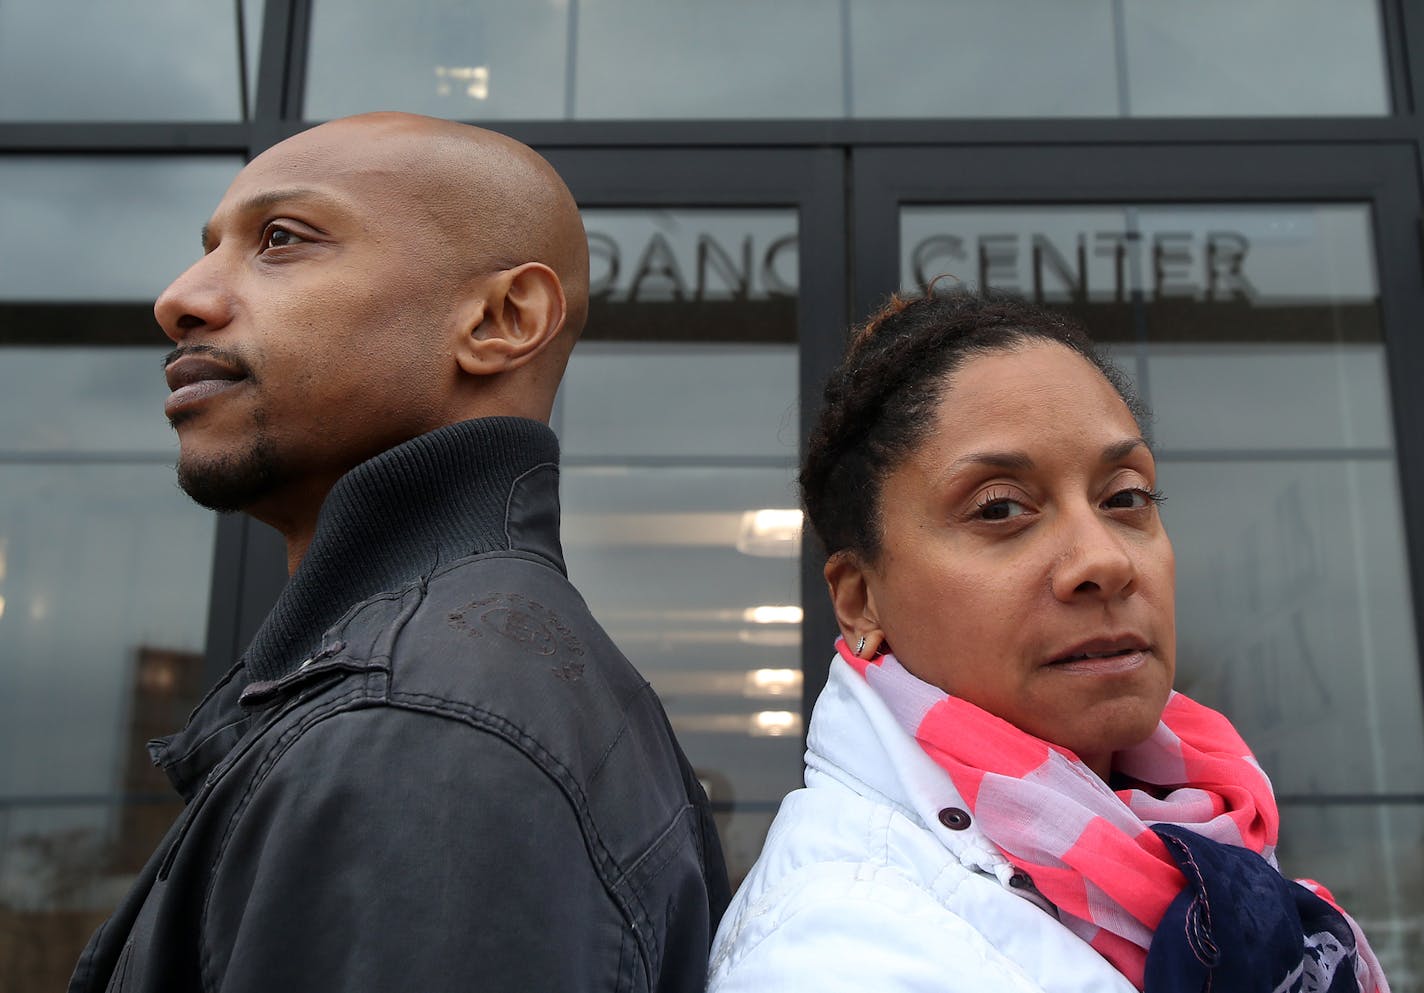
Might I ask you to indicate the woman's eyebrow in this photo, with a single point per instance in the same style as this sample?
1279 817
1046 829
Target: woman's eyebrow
1120 450
999 460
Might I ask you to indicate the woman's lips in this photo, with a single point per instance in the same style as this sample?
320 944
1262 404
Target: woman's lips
1108 665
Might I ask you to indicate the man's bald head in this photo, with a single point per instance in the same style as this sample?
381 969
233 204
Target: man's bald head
364 282
500 202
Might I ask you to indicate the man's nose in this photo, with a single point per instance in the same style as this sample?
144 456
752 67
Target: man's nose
1095 560
196 300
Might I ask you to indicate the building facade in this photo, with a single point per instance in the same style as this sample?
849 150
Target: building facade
1229 194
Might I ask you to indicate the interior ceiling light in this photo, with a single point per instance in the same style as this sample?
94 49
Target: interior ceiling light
772 532
772 682
775 723
769 613
474 80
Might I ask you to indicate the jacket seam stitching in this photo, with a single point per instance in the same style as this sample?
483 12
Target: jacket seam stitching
503 727
274 754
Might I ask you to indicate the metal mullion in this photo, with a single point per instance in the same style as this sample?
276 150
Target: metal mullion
1395 27
1400 270
42 138
822 315
940 132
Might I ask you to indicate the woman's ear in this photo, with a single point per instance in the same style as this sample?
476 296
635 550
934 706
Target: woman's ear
518 313
854 601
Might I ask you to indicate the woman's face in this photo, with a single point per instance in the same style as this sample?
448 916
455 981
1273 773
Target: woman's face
1023 566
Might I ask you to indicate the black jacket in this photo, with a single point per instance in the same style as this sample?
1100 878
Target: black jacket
432 770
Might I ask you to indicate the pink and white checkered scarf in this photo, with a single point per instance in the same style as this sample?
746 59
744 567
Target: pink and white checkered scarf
1089 849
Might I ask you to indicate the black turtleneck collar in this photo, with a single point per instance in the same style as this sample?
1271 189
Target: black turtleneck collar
477 486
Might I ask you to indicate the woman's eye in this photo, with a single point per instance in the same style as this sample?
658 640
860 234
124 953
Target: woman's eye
1001 509
1133 499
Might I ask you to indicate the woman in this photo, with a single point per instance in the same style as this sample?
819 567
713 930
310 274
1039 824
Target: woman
1002 790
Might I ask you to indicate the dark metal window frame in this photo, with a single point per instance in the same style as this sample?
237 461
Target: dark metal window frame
817 167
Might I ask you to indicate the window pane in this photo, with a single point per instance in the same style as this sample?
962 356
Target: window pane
104 564
103 227
679 461
1254 334
1221 58
104 574
965 58
740 59
86 400
1374 853
694 58
447 58
92 240
77 60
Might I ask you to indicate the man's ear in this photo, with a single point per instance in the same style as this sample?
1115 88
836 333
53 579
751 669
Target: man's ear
854 600
519 312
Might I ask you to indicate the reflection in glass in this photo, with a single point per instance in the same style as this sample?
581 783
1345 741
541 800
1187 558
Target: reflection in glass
77 60
102 228
679 428
446 58
740 59
1011 58
104 573
90 400
103 563
1254 335
1107 58
1376 877
730 59
1264 58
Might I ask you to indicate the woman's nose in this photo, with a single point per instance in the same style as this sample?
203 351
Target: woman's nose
1095 561
197 300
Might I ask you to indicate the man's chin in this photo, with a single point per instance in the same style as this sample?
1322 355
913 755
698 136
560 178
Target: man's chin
230 483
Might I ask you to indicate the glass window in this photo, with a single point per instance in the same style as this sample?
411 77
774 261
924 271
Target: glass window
446 58
104 564
691 58
740 59
76 60
1221 58
679 424
1012 58
1253 333
108 228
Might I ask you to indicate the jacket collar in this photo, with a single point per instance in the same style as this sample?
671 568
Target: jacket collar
856 740
477 486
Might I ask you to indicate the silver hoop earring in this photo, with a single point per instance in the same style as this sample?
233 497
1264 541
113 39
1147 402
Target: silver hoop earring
860 647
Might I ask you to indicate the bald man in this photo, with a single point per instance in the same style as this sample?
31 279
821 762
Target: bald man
431 770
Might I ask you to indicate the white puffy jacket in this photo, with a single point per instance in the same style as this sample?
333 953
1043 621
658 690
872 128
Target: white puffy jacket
873 878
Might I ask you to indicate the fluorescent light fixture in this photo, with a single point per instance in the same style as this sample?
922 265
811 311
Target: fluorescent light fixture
775 724
474 79
772 683
772 532
769 613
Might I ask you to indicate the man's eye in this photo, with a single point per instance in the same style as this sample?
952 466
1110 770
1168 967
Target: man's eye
275 237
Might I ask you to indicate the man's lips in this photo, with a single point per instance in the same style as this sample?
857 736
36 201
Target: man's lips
1102 656
194 378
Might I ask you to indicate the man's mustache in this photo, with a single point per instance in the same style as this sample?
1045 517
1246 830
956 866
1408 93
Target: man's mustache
223 355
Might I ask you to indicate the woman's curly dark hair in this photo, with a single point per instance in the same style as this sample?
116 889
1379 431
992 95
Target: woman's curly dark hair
882 399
